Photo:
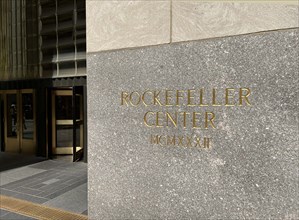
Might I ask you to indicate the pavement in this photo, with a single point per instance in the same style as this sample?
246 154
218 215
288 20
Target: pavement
53 183
10 161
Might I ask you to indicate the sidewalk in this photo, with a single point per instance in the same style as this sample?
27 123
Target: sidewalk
52 183
10 161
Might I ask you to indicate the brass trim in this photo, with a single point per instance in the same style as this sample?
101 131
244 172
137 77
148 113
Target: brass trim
64 122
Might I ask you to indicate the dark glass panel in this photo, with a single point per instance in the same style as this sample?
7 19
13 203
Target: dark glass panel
28 116
64 136
63 107
12 115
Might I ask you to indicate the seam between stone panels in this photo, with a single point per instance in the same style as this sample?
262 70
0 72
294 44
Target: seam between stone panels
295 2
195 40
171 15
240 35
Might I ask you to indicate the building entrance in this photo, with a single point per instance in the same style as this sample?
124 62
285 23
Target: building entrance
67 122
18 112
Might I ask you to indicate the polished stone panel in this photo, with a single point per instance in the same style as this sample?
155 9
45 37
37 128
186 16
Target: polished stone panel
193 20
249 171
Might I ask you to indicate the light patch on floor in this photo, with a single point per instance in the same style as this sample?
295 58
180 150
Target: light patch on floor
48 182
18 174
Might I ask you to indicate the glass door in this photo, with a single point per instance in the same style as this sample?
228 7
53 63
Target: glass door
27 119
62 122
78 123
19 121
12 134
1 121
67 122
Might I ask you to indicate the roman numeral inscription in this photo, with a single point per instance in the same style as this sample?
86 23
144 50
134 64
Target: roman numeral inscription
180 141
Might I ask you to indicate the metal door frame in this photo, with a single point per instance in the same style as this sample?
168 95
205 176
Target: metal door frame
2 142
60 150
21 145
76 151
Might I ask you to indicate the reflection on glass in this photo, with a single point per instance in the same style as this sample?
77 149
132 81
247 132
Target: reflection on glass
64 136
12 115
78 106
64 107
28 120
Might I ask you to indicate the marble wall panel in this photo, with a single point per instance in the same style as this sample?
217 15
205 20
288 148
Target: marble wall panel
121 24
193 20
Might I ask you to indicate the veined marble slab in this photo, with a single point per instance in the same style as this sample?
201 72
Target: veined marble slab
193 20
125 24
121 24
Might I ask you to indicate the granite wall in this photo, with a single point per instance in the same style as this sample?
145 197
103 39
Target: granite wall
200 130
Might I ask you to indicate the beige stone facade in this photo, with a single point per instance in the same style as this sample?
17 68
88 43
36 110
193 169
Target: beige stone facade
124 24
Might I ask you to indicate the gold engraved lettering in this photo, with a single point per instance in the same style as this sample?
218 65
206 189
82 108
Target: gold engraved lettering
154 139
178 96
194 119
143 98
228 96
214 98
184 118
145 119
180 140
132 99
156 98
209 120
183 141
190 97
174 120
171 140
241 96
158 125
181 118
197 142
206 142
168 97
162 138
201 94
124 98
188 144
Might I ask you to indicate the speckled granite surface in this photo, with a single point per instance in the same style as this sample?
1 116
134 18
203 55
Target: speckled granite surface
249 171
